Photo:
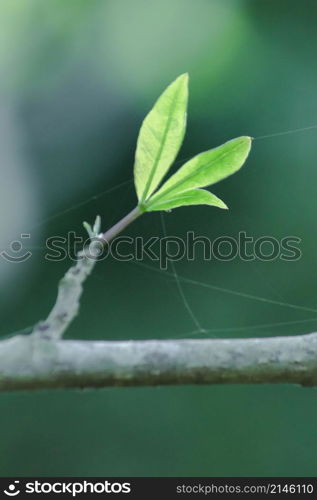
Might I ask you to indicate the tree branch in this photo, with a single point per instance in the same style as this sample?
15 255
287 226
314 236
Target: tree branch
70 286
27 362
70 289
67 302
43 361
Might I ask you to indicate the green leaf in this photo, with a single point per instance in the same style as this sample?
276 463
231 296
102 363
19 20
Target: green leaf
93 231
205 169
190 197
160 138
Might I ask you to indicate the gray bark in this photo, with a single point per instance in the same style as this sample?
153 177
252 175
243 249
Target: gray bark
29 362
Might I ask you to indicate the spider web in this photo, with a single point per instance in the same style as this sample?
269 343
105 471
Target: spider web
180 280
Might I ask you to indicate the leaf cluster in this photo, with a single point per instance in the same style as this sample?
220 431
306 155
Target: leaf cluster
160 138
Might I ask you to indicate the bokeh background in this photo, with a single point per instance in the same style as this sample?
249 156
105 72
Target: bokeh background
77 78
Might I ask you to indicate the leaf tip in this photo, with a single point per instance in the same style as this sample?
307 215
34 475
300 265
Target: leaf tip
221 204
183 78
87 227
248 139
246 142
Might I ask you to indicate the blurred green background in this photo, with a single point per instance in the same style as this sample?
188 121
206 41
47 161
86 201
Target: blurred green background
77 78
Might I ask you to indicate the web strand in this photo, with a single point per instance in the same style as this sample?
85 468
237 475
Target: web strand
285 132
257 326
75 207
227 290
179 285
